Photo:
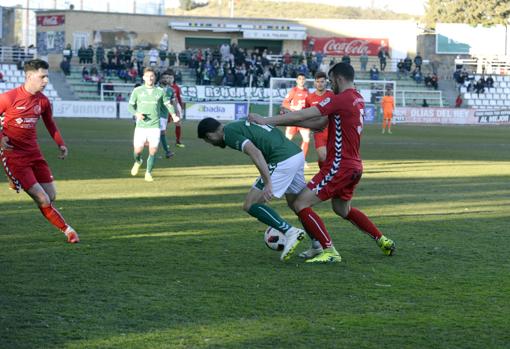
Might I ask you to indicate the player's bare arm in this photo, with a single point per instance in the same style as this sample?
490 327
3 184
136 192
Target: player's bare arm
289 119
258 159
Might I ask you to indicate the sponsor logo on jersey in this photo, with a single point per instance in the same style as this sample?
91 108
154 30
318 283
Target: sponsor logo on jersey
20 108
325 102
37 109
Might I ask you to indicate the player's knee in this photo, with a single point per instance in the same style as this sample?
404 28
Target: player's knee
42 199
342 211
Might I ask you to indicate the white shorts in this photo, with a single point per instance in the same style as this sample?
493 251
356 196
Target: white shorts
143 135
287 177
163 123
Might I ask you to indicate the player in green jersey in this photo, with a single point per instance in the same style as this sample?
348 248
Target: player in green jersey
146 103
280 163
164 83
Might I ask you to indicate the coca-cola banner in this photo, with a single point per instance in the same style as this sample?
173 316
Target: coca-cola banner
50 21
335 46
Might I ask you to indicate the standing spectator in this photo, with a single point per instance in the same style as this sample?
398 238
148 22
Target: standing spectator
374 73
64 65
153 57
140 57
90 54
480 86
383 54
324 67
287 59
417 75
408 64
110 55
418 60
225 52
100 55
424 104
82 55
172 58
295 58
458 101
162 58
2 75
68 53
363 60
346 59
128 55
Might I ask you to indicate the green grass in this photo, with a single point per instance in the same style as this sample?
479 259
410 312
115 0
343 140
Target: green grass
177 263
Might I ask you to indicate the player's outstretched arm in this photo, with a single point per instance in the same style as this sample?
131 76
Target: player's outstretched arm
289 119
258 159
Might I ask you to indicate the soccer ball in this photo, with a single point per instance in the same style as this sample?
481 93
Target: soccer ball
274 239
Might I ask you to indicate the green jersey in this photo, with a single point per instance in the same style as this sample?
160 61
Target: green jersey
269 140
149 101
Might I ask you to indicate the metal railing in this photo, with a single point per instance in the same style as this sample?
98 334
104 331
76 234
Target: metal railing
10 54
497 65
114 89
406 96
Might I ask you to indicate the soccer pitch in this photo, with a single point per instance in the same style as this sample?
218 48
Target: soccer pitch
177 264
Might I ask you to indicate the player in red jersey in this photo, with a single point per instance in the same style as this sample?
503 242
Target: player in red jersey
343 168
180 111
295 100
21 156
320 137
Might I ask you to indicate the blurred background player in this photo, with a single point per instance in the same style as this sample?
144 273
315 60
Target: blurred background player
295 100
342 171
280 163
180 107
320 137
20 153
145 104
164 83
387 105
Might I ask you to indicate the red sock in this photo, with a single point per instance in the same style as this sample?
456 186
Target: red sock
54 217
178 134
360 220
315 227
304 147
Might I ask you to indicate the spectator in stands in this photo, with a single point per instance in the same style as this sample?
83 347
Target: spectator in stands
100 55
417 75
153 57
296 58
85 74
162 58
428 80
110 55
2 77
286 59
82 55
65 66
132 73
480 86
408 63
324 67
68 53
489 82
458 101
140 57
434 81
346 59
424 104
89 54
128 55
172 58
363 60
374 73
313 66
382 55
401 70
120 98
418 60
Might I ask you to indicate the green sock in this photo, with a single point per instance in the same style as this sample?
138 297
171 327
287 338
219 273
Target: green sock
150 163
162 140
138 157
268 216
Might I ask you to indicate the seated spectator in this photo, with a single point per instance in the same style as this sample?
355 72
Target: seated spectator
85 75
408 63
132 73
428 80
1 77
120 98
324 67
424 104
417 75
489 82
458 101
470 86
480 86
434 81
401 70
374 73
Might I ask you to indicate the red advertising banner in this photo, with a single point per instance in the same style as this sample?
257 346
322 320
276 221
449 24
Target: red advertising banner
50 21
335 46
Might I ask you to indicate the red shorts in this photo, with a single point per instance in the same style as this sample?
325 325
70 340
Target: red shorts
25 172
341 185
321 138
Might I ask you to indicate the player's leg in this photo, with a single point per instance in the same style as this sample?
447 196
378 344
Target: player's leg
153 139
178 133
163 123
290 132
321 140
390 116
305 144
138 145
254 205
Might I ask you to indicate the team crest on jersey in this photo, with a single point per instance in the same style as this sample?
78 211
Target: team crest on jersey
325 102
37 109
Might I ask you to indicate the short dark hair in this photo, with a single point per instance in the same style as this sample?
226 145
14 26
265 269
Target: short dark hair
207 125
35 64
342 69
300 74
168 72
320 75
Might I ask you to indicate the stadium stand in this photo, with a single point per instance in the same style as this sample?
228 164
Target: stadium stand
496 97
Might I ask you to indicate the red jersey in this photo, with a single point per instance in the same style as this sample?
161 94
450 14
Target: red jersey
21 111
177 91
345 112
295 99
313 98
